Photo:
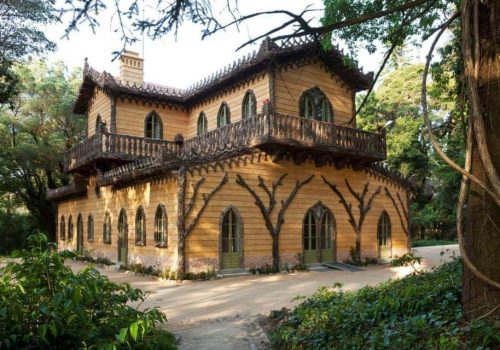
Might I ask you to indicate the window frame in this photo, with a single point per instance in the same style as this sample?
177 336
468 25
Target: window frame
157 120
202 120
62 228
163 242
223 107
140 227
106 227
70 229
249 97
317 101
90 228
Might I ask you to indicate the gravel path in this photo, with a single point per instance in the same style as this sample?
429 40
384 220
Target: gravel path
222 314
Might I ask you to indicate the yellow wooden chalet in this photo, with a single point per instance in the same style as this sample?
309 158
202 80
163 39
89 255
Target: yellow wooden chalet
259 163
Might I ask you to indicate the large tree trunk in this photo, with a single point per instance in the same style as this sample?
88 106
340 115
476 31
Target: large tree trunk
482 216
181 225
276 251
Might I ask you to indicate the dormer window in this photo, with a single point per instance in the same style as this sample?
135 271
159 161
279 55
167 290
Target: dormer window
249 105
315 105
224 116
201 126
153 126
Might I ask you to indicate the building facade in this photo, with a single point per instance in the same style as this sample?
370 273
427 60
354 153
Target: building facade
258 163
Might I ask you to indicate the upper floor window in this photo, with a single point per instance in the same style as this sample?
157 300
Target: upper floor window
315 105
106 229
224 115
161 226
140 227
201 126
249 107
153 126
90 228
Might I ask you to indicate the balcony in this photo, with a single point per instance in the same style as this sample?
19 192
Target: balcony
104 147
277 134
282 135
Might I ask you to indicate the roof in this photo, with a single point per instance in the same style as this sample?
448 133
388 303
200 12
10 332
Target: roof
270 51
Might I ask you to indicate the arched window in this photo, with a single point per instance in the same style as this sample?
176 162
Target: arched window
153 126
224 115
161 226
98 122
319 235
90 228
70 229
140 227
201 126
106 229
62 229
249 107
384 236
122 237
315 105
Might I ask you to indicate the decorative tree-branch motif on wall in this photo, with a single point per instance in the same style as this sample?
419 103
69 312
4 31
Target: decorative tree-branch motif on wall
364 207
185 210
266 211
403 214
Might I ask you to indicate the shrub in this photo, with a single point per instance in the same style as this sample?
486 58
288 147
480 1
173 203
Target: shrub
355 259
44 304
430 242
416 312
98 261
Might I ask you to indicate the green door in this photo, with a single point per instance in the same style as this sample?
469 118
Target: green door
230 241
311 255
327 238
122 238
384 237
79 235
319 235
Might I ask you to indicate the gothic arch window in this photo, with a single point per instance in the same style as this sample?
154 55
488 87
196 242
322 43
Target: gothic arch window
98 122
140 227
161 226
90 228
249 107
62 229
231 238
315 105
201 126
384 236
106 229
70 229
153 126
224 115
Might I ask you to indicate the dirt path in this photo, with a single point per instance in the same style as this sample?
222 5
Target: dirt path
222 314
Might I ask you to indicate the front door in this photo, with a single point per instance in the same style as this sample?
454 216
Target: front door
79 235
122 238
318 235
384 237
230 241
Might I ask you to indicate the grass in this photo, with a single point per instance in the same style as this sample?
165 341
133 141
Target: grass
420 311
431 242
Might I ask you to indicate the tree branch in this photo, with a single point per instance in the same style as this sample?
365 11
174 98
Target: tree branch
285 204
388 194
196 188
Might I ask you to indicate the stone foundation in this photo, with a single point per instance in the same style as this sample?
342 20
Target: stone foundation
161 263
196 265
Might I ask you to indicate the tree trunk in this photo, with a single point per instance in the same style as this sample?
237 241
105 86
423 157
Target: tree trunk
276 251
482 216
181 224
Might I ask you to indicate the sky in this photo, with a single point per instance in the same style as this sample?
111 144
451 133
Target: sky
182 61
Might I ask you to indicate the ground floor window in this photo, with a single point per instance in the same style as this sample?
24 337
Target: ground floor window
161 226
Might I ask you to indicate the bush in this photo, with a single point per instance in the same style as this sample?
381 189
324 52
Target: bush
44 304
416 312
356 260
98 261
430 242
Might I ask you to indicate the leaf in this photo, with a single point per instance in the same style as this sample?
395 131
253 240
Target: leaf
122 335
133 330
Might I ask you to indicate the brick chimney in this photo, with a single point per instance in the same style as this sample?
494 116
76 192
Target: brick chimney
131 68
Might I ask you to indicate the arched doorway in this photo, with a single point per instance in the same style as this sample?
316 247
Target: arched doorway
319 235
384 236
231 242
122 237
79 234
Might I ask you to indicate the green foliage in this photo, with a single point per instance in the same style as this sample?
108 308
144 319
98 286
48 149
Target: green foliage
34 135
86 257
416 312
356 260
430 242
15 225
408 259
43 303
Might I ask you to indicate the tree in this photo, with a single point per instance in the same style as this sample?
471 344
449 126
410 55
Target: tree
34 134
20 36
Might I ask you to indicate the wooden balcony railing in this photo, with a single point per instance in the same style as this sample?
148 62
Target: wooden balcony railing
276 130
263 131
104 145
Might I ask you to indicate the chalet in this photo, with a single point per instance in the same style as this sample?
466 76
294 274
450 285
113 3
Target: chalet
259 163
